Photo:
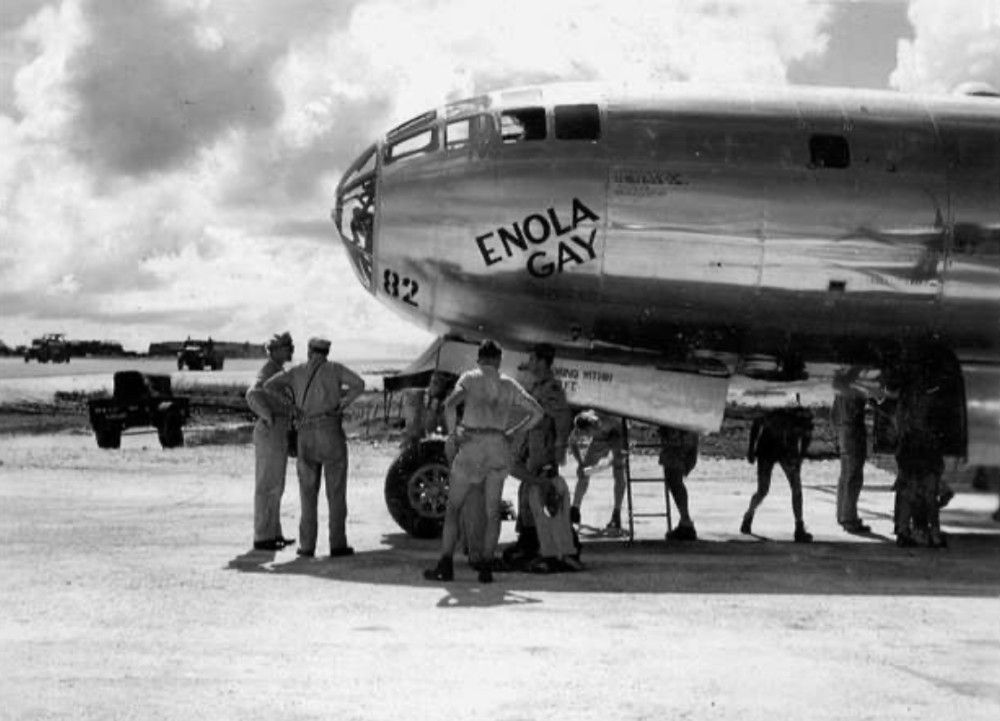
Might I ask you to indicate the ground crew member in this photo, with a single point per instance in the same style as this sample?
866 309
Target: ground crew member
678 456
605 432
780 436
424 411
848 415
545 534
424 416
483 457
270 441
919 459
322 390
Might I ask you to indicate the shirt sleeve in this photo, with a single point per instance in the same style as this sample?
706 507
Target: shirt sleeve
349 378
274 394
522 399
281 383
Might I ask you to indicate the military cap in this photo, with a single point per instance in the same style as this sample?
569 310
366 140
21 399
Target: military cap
279 340
320 345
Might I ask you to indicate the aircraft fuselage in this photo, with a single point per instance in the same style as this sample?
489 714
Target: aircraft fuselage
694 220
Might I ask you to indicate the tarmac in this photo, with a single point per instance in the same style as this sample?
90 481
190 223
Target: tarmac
131 592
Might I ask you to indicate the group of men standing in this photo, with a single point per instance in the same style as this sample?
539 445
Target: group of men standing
914 404
525 430
299 412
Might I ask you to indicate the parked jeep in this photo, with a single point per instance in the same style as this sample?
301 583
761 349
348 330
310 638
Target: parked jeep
50 347
139 399
198 355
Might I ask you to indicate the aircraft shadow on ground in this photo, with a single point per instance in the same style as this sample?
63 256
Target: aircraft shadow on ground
968 568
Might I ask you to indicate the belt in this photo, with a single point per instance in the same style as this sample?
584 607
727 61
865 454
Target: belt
482 431
318 419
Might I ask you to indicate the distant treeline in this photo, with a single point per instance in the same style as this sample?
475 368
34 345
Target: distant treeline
83 348
77 348
228 349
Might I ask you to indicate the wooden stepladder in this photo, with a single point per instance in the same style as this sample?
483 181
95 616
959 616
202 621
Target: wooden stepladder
629 480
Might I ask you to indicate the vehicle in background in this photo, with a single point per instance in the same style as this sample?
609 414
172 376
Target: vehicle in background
139 399
50 347
197 355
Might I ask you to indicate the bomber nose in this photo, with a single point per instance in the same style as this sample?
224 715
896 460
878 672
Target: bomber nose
354 214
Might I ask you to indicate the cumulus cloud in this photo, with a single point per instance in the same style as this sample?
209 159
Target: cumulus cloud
952 43
153 86
168 168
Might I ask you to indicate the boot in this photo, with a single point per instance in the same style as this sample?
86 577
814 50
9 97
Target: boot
443 571
801 534
747 522
683 532
486 572
574 514
937 539
615 524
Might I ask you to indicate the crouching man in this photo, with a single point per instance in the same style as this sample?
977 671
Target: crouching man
546 541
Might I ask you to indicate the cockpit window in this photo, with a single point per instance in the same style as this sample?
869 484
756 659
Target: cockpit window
457 134
402 128
578 122
412 145
519 124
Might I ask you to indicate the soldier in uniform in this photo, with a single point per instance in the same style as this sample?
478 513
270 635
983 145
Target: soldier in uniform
322 390
270 441
483 457
848 415
919 459
780 436
678 456
424 411
545 535
605 433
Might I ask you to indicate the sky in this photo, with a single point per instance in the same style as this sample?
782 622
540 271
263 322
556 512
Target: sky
167 167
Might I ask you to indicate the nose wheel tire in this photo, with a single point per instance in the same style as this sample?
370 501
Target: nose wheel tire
416 489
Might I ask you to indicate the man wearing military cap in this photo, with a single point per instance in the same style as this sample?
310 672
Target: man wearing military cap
322 389
270 440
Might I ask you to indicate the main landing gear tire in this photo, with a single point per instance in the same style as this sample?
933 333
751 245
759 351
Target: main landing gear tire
171 431
108 435
416 489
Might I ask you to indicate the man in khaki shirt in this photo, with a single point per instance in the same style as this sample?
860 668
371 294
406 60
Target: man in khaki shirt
322 390
270 441
483 456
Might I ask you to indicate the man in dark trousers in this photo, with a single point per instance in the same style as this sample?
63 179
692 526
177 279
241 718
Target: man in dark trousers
780 436
678 456
848 415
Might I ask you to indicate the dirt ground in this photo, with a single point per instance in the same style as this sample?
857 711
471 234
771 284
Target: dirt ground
130 592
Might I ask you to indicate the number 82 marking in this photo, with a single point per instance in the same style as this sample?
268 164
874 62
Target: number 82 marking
392 283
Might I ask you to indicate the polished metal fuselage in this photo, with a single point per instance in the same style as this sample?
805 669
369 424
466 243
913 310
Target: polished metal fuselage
716 220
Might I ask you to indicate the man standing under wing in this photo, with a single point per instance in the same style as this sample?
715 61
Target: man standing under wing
848 414
322 390
483 455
